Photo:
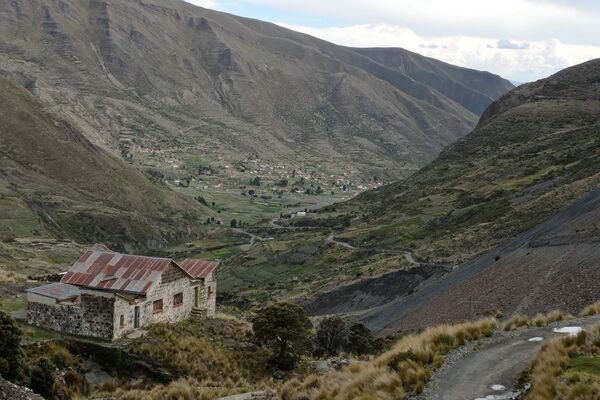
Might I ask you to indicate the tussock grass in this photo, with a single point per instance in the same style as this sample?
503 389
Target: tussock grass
398 373
519 321
555 374
213 354
592 309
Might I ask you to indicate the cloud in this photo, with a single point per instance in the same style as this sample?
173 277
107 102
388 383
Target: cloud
569 22
519 61
510 45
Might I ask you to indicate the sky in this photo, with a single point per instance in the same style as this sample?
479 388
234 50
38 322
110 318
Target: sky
521 40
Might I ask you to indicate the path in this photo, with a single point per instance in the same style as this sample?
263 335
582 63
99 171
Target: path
498 365
408 256
331 239
253 238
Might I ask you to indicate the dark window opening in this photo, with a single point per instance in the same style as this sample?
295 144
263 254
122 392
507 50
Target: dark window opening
158 306
122 321
178 300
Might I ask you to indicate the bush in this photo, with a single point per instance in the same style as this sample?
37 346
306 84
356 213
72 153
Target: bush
360 340
41 378
285 328
331 336
11 355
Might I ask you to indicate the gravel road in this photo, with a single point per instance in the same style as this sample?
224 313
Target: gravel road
492 371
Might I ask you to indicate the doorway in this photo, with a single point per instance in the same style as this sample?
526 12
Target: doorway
196 296
136 317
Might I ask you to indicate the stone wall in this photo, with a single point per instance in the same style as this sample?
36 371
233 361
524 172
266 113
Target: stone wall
173 281
91 316
98 314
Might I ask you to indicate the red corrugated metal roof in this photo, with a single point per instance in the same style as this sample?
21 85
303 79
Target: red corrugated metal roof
199 268
116 272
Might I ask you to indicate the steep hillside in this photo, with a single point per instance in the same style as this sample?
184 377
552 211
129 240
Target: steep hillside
552 266
156 80
54 182
534 152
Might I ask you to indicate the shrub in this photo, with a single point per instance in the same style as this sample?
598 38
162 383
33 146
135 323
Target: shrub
285 328
331 336
41 378
360 340
11 355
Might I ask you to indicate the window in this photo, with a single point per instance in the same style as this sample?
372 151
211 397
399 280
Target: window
158 306
122 321
209 292
178 300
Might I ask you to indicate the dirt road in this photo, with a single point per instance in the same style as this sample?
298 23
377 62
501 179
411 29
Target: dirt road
492 372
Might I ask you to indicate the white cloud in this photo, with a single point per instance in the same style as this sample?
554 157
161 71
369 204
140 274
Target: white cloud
517 60
516 19
519 39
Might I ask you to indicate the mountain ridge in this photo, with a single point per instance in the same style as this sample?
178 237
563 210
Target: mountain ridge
204 79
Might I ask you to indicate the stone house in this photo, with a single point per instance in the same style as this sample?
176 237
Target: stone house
107 295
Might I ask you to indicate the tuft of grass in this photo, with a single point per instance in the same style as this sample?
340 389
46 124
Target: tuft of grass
592 309
519 321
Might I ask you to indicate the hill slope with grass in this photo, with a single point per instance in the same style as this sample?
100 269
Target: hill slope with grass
55 183
170 79
533 153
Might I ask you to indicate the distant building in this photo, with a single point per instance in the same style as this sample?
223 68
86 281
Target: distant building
300 214
107 295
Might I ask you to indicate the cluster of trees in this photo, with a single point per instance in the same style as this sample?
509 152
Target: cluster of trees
234 223
287 330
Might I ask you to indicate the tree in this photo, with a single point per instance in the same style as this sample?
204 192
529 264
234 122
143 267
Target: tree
202 201
360 340
256 181
285 328
11 355
331 336
233 223
41 378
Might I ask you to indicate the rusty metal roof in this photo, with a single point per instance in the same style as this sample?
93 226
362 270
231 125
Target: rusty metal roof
199 268
117 272
58 291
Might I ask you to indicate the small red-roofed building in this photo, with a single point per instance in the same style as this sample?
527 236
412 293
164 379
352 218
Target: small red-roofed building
108 295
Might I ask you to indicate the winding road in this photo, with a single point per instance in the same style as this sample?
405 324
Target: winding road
492 372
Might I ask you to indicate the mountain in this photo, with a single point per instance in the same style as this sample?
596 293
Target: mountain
55 182
154 80
533 154
515 203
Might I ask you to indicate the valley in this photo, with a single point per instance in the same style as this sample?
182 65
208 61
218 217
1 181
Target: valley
382 225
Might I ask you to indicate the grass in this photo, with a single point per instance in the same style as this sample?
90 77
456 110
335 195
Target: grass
519 321
214 354
397 374
586 364
567 369
592 309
